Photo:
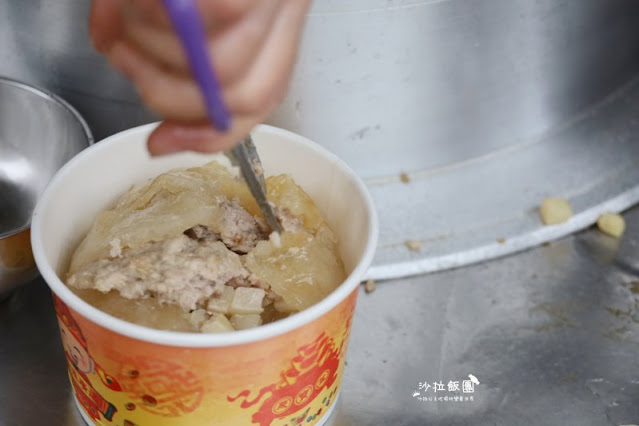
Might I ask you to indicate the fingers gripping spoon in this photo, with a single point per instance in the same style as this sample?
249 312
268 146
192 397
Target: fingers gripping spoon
188 25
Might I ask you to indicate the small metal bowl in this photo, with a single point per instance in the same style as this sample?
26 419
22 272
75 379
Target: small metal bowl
39 132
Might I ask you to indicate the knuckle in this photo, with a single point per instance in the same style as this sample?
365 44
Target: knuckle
152 95
253 100
229 9
142 6
253 32
279 93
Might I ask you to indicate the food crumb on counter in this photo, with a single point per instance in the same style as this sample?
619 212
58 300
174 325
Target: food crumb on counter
612 224
370 286
404 178
554 211
413 245
501 240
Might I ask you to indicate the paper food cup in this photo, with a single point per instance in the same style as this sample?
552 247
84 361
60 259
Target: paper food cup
285 373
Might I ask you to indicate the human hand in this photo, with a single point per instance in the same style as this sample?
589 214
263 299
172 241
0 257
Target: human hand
253 45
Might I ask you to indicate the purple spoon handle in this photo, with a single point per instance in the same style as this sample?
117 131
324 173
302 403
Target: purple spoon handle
188 25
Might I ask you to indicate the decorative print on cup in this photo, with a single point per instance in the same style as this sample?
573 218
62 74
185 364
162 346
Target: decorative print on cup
314 369
150 384
453 391
81 365
161 387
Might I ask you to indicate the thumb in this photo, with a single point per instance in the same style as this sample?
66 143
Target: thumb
172 136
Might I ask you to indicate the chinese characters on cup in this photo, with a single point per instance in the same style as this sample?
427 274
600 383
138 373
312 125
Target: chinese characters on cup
453 391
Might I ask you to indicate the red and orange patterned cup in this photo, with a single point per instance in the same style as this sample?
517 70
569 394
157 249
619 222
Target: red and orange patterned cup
284 373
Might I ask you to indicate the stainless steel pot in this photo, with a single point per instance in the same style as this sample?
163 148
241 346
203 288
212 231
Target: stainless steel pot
445 80
39 132
419 86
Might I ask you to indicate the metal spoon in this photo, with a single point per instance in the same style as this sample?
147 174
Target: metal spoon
188 25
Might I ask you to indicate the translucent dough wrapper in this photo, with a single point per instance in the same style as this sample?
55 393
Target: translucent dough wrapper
302 271
165 207
284 278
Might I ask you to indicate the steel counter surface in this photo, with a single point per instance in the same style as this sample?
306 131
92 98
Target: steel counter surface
550 334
